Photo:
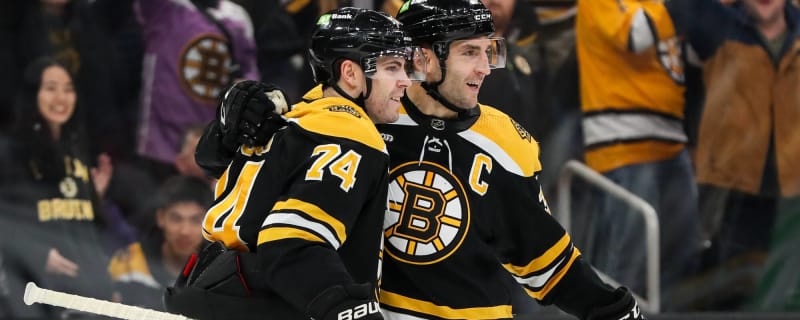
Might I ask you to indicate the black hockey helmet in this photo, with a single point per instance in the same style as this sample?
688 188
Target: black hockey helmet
358 35
430 21
437 23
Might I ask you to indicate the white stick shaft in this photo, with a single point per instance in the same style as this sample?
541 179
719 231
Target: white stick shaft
34 294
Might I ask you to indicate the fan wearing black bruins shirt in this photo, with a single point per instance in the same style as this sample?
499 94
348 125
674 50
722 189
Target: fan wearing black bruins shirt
465 208
315 194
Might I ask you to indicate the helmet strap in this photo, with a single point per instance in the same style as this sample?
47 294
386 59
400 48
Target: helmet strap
360 100
432 88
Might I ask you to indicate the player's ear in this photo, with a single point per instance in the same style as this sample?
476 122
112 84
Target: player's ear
430 57
350 75
431 61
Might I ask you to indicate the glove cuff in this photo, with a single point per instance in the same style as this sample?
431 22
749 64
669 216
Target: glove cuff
623 307
338 302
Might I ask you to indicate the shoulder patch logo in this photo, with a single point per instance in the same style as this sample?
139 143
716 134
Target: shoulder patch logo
522 132
345 108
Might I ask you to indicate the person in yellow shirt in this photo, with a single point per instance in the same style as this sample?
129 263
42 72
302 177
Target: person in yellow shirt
632 99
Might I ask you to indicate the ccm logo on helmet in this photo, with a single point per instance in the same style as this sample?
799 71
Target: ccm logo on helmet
483 16
359 311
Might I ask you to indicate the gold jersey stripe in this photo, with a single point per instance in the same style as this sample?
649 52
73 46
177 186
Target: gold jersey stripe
281 233
445 312
539 295
542 261
314 212
221 183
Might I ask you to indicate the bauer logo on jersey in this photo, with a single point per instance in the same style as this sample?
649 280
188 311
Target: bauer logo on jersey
345 108
205 67
429 213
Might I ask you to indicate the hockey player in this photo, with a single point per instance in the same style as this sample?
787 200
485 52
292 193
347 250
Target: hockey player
465 206
310 203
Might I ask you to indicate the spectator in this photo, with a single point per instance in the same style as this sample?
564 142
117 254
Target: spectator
145 268
750 51
48 195
126 203
632 96
186 68
68 31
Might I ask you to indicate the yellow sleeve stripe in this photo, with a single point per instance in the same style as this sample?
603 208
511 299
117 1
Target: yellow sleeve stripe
294 220
444 312
315 213
542 261
540 294
281 233
221 183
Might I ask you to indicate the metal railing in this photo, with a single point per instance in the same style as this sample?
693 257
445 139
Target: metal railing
575 168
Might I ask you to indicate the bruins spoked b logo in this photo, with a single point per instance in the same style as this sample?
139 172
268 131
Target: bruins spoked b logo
428 214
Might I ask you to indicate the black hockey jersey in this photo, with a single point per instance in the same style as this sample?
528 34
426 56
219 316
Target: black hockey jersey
310 202
465 209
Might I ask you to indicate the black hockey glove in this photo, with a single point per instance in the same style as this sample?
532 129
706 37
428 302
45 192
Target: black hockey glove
624 307
345 302
250 114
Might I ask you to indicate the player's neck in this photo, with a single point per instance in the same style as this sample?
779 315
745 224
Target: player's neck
427 104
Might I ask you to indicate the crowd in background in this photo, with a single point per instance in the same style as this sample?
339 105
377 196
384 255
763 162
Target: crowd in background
689 104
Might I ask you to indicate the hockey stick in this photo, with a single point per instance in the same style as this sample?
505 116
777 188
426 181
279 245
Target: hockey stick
34 294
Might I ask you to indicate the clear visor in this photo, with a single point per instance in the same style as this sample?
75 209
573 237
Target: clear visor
489 50
406 63
496 52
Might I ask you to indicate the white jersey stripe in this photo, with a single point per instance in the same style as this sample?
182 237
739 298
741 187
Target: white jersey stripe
610 127
299 221
391 315
539 281
405 120
494 150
